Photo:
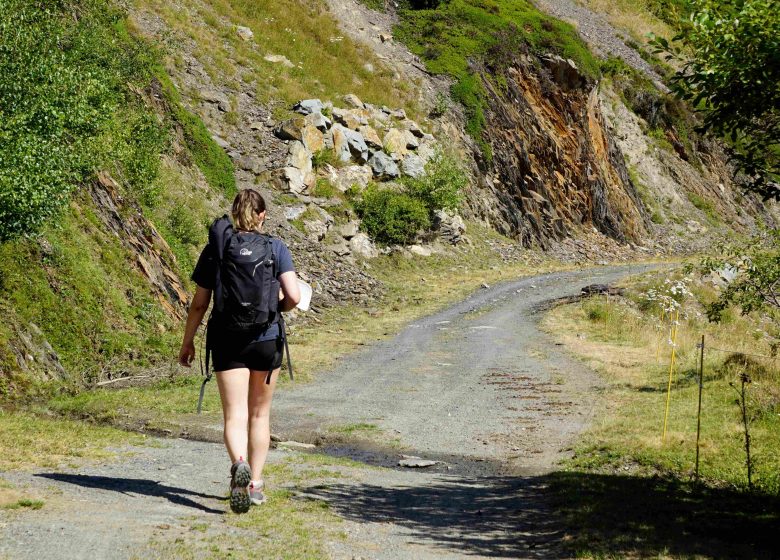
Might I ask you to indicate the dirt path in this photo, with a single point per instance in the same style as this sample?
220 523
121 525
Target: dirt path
477 387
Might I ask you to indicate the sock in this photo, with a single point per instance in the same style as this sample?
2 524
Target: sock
256 483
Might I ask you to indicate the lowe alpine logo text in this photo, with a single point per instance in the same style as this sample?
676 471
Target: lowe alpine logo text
245 252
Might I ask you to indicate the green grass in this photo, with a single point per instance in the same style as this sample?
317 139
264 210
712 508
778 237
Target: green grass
629 348
706 207
286 526
24 503
327 63
491 31
86 294
209 157
352 429
627 491
28 440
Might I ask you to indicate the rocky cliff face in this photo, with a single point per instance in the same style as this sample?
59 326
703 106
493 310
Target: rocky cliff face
555 167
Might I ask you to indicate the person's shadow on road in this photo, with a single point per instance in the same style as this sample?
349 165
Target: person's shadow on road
137 486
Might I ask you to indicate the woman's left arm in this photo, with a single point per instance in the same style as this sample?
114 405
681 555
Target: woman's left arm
198 308
290 291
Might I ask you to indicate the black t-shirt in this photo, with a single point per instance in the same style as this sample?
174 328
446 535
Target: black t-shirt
205 273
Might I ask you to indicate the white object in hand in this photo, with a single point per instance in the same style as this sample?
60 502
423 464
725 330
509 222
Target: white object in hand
306 292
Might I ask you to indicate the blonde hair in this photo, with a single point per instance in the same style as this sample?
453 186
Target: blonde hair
247 206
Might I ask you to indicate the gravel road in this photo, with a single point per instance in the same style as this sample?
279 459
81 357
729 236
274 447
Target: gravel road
476 387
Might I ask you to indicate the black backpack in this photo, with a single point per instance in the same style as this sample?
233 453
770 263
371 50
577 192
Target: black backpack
247 290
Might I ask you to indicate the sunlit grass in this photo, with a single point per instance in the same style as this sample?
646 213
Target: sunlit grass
631 350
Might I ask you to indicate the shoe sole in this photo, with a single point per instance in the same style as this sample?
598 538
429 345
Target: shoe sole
239 494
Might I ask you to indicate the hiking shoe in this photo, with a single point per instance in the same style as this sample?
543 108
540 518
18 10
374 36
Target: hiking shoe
256 495
240 477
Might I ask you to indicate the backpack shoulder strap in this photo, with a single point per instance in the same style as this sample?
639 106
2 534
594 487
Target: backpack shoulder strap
220 233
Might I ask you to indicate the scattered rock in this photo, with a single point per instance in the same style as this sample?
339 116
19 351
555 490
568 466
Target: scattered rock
294 212
368 67
362 245
279 59
348 118
371 137
291 129
299 157
296 445
315 229
413 165
245 33
413 462
308 106
352 175
353 101
420 251
289 179
221 142
250 163
341 248
395 141
318 121
414 128
385 38
564 72
383 166
348 230
349 143
312 138
451 227
213 96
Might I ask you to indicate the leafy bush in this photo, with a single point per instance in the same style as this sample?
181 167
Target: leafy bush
729 72
441 186
391 217
67 107
324 188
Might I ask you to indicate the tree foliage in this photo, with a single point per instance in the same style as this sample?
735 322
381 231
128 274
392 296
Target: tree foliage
754 268
66 106
730 55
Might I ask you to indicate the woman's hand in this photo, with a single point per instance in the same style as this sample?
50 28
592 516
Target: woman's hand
187 353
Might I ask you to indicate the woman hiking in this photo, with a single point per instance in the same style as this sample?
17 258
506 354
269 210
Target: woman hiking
252 279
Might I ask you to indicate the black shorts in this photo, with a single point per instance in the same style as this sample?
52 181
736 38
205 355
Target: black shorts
233 351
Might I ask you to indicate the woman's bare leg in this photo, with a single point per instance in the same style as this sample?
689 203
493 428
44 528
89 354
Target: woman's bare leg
233 389
260 396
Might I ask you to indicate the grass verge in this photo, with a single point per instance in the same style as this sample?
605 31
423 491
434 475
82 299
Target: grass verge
27 440
627 488
289 525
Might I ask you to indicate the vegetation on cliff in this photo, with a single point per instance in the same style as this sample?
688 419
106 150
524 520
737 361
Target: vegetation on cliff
458 37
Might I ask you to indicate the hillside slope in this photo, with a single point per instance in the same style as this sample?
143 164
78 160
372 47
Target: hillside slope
583 157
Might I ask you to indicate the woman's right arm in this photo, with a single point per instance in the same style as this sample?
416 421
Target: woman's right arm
198 308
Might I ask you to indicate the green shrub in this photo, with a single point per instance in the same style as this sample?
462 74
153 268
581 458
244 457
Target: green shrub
324 188
391 217
325 156
441 186
67 107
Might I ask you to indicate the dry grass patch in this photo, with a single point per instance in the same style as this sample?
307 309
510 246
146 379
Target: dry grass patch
325 63
29 441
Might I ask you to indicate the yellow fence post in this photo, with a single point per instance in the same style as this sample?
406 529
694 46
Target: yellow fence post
671 371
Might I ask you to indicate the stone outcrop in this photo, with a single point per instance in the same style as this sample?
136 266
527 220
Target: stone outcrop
555 167
153 256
